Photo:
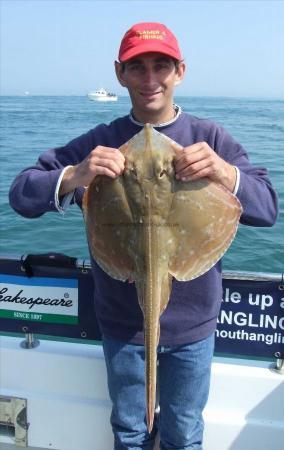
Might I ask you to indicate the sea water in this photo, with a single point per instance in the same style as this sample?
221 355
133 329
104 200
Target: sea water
32 124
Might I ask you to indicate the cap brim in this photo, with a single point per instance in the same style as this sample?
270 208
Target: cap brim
133 52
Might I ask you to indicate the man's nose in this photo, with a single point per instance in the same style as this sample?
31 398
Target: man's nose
149 75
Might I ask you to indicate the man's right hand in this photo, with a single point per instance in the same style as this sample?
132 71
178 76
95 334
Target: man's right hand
101 161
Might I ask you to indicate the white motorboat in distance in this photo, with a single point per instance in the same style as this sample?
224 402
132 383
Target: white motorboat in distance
102 96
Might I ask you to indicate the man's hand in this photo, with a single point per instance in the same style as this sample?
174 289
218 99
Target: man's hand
199 160
101 161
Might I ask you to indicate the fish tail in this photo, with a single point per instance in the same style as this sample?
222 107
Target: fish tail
151 376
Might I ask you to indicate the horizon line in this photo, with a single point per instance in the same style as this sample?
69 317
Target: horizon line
127 96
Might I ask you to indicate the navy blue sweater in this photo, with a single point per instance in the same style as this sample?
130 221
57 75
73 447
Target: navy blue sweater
194 305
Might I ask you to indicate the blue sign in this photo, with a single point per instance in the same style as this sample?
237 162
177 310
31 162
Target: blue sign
251 320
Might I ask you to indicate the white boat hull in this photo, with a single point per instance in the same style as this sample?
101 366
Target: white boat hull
68 406
102 99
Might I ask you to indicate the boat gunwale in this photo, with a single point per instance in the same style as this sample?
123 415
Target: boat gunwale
226 274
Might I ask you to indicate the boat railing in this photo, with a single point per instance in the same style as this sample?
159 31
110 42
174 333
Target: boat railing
82 264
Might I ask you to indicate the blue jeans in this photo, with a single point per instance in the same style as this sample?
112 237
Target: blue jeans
183 379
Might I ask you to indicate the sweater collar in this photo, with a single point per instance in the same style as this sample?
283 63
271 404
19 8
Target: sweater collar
178 112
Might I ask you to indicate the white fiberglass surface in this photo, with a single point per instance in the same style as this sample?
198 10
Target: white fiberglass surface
68 405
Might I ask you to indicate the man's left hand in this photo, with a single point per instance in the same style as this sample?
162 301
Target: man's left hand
199 160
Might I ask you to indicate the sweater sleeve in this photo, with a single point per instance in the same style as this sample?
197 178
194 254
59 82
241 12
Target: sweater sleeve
255 191
33 192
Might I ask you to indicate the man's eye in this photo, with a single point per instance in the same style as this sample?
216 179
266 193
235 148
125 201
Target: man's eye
135 68
162 66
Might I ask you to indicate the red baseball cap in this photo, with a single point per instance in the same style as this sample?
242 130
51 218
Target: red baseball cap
148 37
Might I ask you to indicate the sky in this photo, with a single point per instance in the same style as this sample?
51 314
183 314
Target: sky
67 47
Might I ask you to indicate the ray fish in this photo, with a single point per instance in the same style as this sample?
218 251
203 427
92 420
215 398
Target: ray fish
149 227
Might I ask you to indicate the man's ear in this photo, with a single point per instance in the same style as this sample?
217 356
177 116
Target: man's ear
119 73
179 73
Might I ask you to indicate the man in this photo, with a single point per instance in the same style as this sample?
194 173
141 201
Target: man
150 65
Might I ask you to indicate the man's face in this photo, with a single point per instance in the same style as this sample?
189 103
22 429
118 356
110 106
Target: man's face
150 79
